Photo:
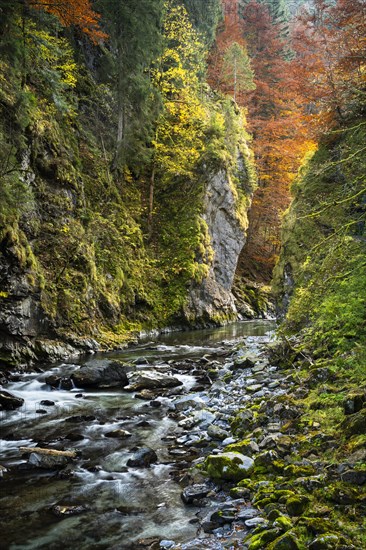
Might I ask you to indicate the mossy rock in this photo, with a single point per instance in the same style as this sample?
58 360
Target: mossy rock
297 505
272 512
283 523
242 422
287 542
355 424
246 446
262 539
229 466
294 470
328 541
315 526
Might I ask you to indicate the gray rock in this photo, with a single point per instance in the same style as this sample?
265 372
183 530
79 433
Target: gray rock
213 297
254 522
167 543
253 388
48 462
247 513
216 432
189 402
10 402
356 477
152 380
194 492
143 458
100 376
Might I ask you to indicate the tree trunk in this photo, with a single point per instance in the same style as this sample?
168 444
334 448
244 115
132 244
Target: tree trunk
151 202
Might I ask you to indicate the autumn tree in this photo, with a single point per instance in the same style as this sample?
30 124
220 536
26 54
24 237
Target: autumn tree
178 141
280 136
73 12
329 66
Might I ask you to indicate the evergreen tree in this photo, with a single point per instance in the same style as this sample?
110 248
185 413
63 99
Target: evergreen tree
205 15
237 70
135 41
278 10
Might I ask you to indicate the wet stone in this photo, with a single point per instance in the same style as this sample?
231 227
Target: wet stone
47 462
253 388
74 436
47 403
247 513
119 433
254 522
143 458
9 402
62 511
194 492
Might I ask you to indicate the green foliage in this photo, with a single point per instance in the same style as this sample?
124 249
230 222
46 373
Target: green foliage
237 71
205 15
324 252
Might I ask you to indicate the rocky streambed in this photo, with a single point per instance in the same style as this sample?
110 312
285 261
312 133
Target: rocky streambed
190 442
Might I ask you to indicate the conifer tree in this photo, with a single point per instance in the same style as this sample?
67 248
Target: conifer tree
237 71
135 40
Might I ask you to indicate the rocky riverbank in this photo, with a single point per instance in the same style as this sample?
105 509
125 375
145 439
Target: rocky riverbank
257 464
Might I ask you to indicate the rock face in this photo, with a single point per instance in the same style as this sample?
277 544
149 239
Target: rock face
212 300
9 402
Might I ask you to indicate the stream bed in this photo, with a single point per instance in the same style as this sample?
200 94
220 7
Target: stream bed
103 498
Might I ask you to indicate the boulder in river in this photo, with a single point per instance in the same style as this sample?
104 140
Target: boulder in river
110 375
151 380
62 511
118 434
194 492
48 462
9 402
143 458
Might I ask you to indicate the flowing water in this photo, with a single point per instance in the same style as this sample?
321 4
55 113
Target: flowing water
120 504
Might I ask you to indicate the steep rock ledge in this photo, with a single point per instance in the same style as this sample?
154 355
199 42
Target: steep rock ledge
225 213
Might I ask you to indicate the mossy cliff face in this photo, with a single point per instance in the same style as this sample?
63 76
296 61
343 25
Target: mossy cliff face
320 278
77 264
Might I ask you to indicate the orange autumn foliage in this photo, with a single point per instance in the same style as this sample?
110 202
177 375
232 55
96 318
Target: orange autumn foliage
73 12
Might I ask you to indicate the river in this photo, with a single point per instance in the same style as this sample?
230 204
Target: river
98 501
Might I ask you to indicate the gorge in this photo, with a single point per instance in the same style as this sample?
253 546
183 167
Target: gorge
168 166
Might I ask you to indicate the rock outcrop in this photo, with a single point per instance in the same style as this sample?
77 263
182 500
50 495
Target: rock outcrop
225 213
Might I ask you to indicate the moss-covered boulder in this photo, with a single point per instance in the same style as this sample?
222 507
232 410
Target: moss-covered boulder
242 422
282 522
229 466
260 540
297 505
328 541
286 542
246 446
355 424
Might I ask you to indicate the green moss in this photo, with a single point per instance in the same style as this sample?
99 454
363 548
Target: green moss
262 539
297 505
288 541
228 466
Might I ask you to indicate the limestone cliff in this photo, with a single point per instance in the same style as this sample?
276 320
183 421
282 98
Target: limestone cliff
211 300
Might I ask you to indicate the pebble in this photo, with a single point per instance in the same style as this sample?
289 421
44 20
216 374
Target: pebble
253 522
